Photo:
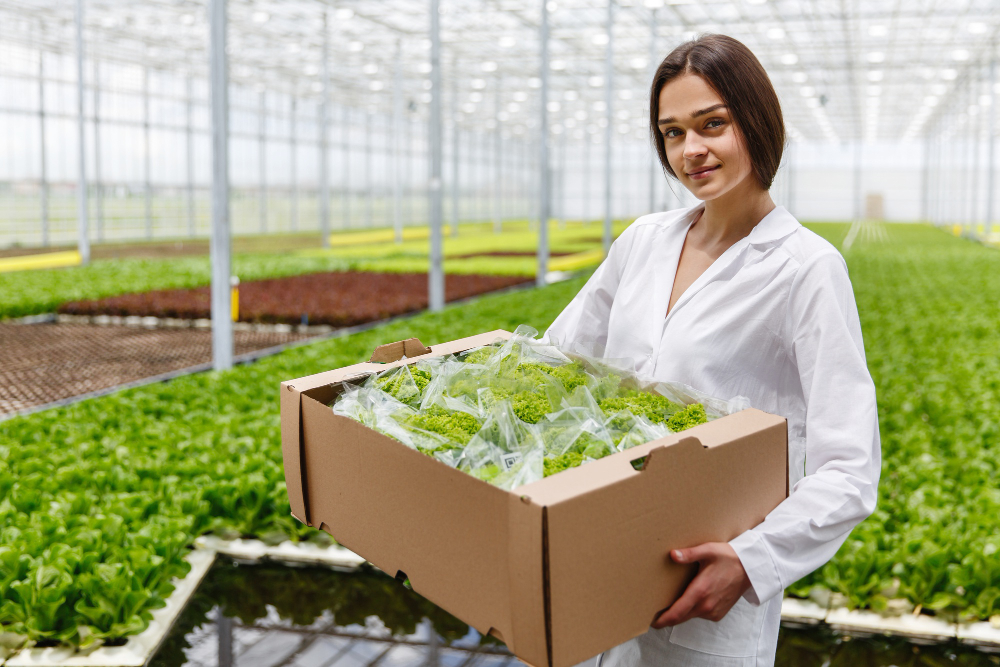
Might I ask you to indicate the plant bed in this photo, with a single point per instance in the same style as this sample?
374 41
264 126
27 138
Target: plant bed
508 253
102 497
336 299
45 363
210 439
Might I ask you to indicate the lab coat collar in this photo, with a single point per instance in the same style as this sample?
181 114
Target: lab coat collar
774 226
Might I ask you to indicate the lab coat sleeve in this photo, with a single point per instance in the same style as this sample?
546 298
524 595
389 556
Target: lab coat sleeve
582 326
843 454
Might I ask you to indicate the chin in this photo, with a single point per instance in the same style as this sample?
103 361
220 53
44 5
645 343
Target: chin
706 194
712 191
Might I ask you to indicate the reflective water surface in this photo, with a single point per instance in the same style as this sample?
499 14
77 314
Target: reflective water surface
275 615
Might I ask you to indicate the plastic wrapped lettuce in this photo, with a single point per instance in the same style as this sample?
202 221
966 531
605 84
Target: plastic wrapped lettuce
521 409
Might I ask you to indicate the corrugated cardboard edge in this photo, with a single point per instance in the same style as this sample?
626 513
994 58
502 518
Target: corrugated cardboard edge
526 570
138 649
291 409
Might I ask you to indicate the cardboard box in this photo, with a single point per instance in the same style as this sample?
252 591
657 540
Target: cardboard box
560 569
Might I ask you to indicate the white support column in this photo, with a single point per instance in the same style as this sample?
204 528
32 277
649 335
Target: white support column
83 231
43 178
435 277
930 175
966 196
931 180
791 176
497 168
345 138
562 178
368 168
653 64
975 132
990 151
294 150
397 119
408 176
262 161
98 186
858 210
609 76
486 168
545 173
586 176
147 186
189 142
324 132
455 142
222 325
925 181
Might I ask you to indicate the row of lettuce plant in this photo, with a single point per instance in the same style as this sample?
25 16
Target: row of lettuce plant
99 501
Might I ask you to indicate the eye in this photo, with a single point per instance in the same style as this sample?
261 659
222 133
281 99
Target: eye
667 133
715 122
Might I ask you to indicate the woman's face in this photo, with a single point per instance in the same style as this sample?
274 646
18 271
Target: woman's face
700 138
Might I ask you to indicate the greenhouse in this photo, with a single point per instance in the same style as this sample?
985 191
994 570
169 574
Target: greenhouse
479 333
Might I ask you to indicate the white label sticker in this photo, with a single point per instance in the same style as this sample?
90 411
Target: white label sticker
509 460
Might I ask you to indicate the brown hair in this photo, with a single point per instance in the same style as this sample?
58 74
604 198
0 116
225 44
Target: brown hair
734 72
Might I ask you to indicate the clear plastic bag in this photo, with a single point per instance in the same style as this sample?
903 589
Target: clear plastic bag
518 410
404 383
504 450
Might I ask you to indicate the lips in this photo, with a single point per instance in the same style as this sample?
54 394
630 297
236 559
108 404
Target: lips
702 170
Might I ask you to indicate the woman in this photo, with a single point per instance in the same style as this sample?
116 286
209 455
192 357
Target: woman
735 297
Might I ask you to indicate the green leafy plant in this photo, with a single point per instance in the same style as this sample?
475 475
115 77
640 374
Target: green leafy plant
536 413
101 500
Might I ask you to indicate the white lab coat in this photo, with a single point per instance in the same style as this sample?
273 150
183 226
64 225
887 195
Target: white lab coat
773 319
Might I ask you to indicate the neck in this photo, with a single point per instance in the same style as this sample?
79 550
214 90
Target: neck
732 216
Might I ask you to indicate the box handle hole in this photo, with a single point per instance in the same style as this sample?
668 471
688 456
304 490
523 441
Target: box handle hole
403 579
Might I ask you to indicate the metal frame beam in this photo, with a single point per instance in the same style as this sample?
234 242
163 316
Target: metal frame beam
435 276
545 172
222 325
82 231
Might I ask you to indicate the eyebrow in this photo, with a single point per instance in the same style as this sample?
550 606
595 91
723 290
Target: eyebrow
702 112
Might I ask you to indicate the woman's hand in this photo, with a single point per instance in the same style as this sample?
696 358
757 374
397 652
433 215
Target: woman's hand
720 582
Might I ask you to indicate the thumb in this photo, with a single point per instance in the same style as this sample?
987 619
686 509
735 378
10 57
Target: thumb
702 552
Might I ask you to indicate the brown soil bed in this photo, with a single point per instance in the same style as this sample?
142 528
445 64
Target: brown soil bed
594 239
507 253
42 363
337 299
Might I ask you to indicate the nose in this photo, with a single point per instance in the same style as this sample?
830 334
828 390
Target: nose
694 147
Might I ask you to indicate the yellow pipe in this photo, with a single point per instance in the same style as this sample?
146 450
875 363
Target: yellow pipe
49 260
234 283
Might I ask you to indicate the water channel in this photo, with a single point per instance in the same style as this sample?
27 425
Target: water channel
275 615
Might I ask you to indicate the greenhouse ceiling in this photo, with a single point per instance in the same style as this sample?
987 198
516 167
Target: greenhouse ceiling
844 69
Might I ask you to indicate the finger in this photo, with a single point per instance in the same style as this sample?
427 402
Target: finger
702 552
682 609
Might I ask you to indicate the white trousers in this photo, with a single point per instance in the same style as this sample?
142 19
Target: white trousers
746 637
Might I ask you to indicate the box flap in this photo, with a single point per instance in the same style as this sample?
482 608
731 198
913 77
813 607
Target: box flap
411 347
527 635
291 451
